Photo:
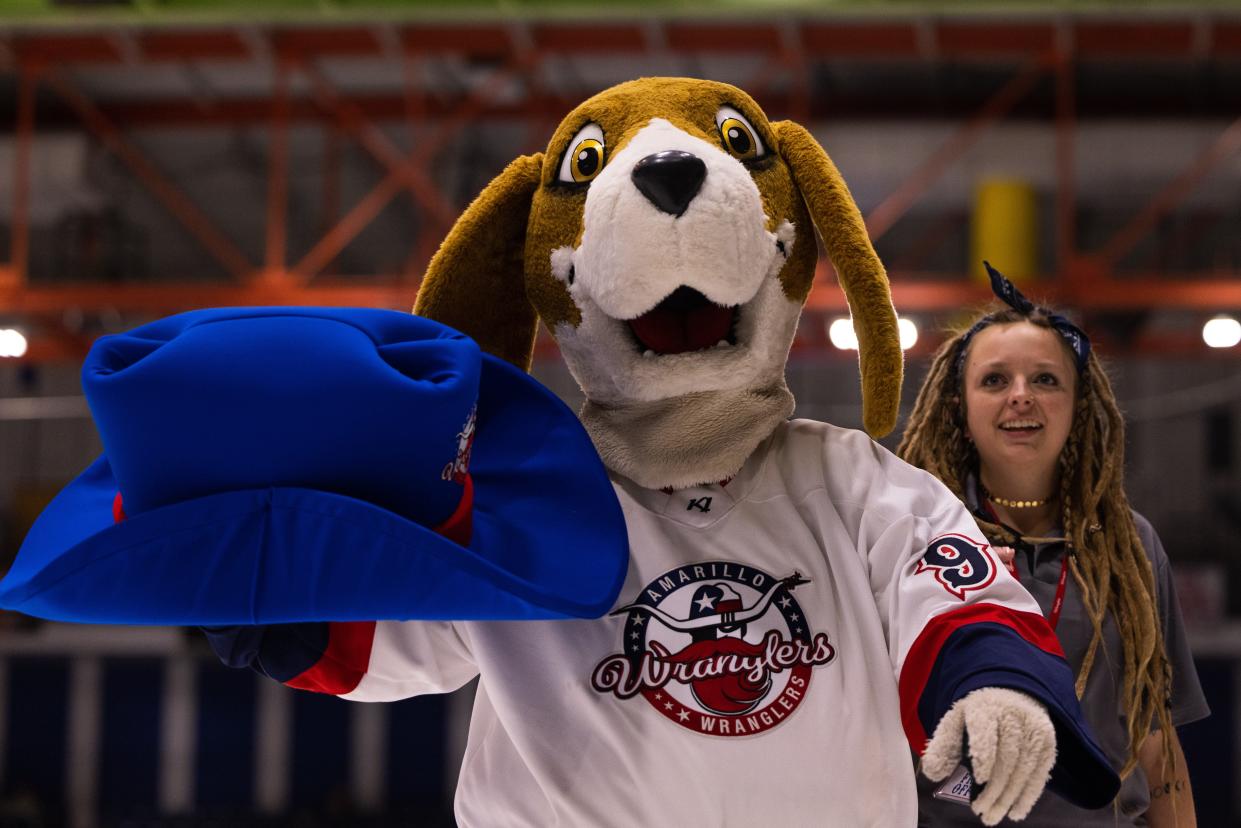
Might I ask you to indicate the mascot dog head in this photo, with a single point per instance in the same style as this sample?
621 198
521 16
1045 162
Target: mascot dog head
665 239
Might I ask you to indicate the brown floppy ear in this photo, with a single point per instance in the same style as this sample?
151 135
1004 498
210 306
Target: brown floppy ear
476 281
861 273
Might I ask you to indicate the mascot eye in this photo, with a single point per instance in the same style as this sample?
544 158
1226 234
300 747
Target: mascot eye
584 159
740 139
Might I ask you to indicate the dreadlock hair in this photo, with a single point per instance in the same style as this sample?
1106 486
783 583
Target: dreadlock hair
1108 561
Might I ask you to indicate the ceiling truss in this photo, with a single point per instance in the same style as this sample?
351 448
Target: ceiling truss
1035 51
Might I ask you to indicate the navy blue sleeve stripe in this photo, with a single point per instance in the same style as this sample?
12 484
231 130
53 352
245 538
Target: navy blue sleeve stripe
279 651
993 655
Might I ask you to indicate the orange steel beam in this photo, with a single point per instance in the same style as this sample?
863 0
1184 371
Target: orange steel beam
1066 180
849 39
759 83
1226 38
1129 39
186 112
587 38
423 248
45 349
193 44
402 171
310 42
1203 291
912 292
352 223
790 61
931 239
908 296
978 36
193 219
983 39
726 38
19 250
171 297
60 49
936 293
474 41
1128 236
333 157
415 111
375 142
888 212
414 98
1186 345
278 174
475 103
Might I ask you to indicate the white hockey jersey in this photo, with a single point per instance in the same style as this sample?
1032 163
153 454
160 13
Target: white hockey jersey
764 665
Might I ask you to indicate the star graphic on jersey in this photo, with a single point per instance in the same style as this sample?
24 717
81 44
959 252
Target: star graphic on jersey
667 705
785 601
706 602
637 620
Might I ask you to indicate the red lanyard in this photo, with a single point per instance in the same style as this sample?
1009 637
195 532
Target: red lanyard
1058 602
1059 599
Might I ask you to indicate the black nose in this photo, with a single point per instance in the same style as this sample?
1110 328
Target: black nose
670 179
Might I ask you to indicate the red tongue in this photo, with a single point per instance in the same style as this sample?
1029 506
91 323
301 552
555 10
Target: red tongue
666 330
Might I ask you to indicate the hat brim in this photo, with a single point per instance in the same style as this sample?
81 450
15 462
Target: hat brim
548 541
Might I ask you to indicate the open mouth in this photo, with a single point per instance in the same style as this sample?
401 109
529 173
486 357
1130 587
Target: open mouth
685 321
1021 426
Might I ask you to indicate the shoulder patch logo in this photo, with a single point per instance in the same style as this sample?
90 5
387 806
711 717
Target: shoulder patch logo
960 564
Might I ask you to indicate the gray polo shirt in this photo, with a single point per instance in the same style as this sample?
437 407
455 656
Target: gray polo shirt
1038 566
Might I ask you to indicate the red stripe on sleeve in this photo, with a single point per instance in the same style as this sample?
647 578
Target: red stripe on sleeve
347 657
1031 626
344 662
458 527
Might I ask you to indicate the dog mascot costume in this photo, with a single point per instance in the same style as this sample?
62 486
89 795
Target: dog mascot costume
800 608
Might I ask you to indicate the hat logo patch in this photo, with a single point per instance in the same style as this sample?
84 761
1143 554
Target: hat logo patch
720 648
457 470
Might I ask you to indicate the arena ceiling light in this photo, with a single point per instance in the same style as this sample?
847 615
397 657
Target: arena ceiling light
840 332
12 343
842 335
907 331
1221 332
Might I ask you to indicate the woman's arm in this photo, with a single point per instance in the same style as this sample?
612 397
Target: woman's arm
1172 798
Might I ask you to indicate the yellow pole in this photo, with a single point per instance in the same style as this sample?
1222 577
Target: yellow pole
1004 229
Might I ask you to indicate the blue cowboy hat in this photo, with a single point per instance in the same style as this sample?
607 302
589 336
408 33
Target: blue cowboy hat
270 465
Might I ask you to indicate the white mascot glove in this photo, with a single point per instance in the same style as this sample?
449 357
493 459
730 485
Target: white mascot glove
1012 746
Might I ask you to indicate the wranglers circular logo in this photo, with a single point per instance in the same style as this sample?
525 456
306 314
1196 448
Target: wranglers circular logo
717 647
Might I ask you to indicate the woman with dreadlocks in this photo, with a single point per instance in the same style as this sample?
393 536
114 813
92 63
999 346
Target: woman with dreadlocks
1017 417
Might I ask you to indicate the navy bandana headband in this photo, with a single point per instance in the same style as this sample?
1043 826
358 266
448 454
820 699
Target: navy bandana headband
1007 292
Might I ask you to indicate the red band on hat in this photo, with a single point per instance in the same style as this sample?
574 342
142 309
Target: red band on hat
343 663
459 526
118 509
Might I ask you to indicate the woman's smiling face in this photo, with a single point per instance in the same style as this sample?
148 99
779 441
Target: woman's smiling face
1019 389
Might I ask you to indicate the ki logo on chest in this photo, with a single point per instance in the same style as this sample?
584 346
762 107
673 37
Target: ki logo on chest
719 648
